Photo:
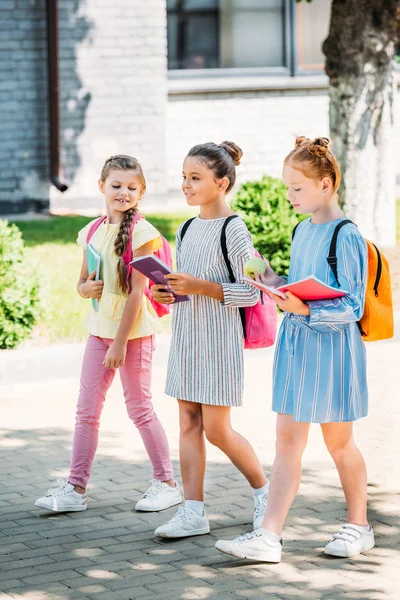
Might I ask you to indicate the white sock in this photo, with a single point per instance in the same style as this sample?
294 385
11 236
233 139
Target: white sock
195 505
262 491
271 536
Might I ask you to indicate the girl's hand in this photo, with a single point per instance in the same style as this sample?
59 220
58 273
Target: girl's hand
115 356
291 304
183 283
91 288
161 295
269 278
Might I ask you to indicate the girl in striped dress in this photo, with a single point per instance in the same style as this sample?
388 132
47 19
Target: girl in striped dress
320 362
205 370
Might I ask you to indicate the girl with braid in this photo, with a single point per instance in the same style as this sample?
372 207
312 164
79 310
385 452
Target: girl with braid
121 336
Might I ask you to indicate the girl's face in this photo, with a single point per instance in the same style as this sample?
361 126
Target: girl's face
122 190
306 195
199 183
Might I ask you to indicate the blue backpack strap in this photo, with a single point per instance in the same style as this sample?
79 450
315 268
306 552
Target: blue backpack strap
332 258
186 227
229 266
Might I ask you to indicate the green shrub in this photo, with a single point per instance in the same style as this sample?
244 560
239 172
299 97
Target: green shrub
270 219
19 288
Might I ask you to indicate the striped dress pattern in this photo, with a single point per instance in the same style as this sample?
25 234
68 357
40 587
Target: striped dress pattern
319 371
206 354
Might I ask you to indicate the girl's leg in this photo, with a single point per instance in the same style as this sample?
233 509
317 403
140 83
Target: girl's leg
351 467
291 440
219 432
192 449
95 381
136 382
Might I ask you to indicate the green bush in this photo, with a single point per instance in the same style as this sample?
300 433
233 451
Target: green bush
270 219
19 288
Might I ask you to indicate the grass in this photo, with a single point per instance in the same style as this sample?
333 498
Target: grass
52 246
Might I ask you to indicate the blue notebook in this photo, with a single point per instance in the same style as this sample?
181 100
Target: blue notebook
93 263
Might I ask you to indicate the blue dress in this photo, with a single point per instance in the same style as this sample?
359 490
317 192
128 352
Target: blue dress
320 361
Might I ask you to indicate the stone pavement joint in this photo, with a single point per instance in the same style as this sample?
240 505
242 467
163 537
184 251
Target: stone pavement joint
109 552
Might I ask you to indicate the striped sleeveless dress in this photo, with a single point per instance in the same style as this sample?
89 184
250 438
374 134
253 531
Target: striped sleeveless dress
206 354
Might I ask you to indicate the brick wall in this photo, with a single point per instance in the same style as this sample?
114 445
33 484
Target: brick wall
23 92
112 95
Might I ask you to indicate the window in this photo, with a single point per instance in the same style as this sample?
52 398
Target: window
312 29
279 36
209 34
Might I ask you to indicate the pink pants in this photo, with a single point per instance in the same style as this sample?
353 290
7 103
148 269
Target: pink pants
136 383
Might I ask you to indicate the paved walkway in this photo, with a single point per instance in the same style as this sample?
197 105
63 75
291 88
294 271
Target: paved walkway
109 552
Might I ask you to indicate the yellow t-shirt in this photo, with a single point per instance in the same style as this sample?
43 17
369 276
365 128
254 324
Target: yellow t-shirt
105 322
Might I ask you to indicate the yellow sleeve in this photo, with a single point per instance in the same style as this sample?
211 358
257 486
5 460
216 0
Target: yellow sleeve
143 233
82 235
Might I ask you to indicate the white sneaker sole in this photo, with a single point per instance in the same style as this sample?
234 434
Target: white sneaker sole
340 554
62 510
256 557
158 508
183 534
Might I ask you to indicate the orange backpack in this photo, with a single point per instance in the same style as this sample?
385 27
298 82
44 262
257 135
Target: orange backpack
377 321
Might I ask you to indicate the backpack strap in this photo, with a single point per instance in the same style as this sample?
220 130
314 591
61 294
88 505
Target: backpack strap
332 258
294 230
229 266
127 255
186 227
94 227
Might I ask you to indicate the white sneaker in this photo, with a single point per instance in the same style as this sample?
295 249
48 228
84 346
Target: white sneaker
350 540
260 504
159 496
62 498
253 546
185 523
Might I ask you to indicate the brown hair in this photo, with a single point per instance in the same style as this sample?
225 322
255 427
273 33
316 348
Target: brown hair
220 158
123 162
314 159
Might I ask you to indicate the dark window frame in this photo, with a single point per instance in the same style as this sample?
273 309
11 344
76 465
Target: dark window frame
288 40
182 15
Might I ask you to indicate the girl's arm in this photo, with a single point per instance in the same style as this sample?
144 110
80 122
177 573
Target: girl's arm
86 286
115 356
240 249
327 316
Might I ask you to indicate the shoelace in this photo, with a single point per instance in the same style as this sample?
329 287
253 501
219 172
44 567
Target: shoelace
154 490
260 503
55 491
249 536
347 533
180 514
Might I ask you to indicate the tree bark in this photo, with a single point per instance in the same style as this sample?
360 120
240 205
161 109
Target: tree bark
359 52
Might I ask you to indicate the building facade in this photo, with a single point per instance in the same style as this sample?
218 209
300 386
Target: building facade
152 79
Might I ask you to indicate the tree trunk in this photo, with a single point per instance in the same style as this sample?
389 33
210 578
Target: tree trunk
359 52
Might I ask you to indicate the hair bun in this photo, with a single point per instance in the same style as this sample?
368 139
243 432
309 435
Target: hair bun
319 146
234 150
301 139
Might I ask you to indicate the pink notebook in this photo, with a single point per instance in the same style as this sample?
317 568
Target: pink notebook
155 269
307 289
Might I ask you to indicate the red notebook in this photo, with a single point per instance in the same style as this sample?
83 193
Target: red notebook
307 289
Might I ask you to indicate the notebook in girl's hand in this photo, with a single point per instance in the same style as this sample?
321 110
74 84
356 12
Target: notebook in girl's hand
307 289
93 263
155 269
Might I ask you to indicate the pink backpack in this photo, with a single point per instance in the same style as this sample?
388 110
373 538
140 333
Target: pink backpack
164 254
260 321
